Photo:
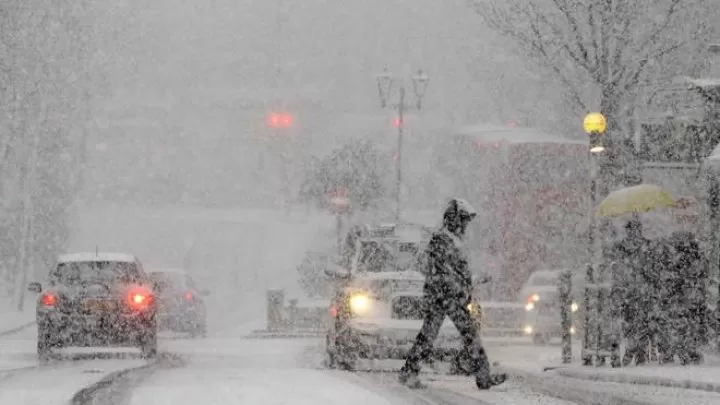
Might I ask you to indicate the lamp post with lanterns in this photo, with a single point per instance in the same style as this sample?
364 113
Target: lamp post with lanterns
595 125
385 83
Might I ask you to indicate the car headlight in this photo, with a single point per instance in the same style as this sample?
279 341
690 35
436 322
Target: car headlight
572 330
530 306
574 307
528 330
360 304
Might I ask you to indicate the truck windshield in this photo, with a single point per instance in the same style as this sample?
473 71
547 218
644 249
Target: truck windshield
378 256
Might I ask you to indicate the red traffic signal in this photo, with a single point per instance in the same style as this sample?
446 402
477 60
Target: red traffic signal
339 201
280 120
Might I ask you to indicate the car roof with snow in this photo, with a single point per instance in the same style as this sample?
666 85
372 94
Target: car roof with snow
390 275
96 257
171 270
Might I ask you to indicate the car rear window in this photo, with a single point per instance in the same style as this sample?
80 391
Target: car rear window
76 273
167 281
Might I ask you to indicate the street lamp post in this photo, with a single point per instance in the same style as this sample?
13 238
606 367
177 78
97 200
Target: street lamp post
595 126
385 83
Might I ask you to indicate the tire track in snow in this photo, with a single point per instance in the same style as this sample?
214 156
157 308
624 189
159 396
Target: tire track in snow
116 388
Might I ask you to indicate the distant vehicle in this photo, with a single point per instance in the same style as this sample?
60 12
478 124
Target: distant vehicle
96 299
181 307
540 295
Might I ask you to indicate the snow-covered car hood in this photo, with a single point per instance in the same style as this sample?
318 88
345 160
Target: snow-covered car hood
398 328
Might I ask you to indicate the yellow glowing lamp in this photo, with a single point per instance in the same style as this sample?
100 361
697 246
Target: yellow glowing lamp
360 304
535 298
595 123
574 307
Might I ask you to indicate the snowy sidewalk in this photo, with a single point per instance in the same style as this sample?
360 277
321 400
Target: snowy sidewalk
645 384
705 377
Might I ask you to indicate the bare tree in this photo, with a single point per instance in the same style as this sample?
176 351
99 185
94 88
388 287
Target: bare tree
602 52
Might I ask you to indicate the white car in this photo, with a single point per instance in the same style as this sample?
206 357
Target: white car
540 295
378 316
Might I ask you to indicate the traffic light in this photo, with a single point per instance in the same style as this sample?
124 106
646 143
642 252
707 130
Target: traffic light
280 120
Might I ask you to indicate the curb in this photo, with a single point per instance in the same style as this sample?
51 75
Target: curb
640 380
88 394
16 329
263 334
568 389
92 393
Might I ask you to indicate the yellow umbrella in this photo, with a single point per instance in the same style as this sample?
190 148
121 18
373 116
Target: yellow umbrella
636 199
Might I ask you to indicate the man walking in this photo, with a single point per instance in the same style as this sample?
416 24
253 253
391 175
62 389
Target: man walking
447 292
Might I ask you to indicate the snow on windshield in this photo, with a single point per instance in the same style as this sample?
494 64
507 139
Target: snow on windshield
377 256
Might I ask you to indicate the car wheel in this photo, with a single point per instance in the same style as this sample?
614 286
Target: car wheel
199 330
44 346
148 343
330 361
346 356
539 339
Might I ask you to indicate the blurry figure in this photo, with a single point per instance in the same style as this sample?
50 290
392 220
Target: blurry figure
448 292
691 321
631 253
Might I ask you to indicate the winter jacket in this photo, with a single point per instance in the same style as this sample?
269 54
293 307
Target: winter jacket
447 262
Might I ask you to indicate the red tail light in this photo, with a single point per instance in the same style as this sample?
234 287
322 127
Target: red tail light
139 298
189 296
49 300
334 312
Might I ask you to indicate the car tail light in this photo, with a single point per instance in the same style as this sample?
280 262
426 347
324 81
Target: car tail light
139 298
49 300
189 296
334 312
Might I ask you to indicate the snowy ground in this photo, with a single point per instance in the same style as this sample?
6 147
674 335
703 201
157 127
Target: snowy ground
238 257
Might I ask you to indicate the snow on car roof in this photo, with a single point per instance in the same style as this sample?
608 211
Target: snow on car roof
95 257
391 275
177 271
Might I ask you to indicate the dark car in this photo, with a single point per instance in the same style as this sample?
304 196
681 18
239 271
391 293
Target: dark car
96 299
180 302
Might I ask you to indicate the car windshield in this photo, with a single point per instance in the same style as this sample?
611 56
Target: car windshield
377 256
166 281
76 273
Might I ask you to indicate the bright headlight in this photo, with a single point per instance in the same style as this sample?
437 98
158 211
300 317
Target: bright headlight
530 306
574 307
528 330
572 330
360 304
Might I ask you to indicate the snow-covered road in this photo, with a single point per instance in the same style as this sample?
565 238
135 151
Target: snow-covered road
227 368
24 382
